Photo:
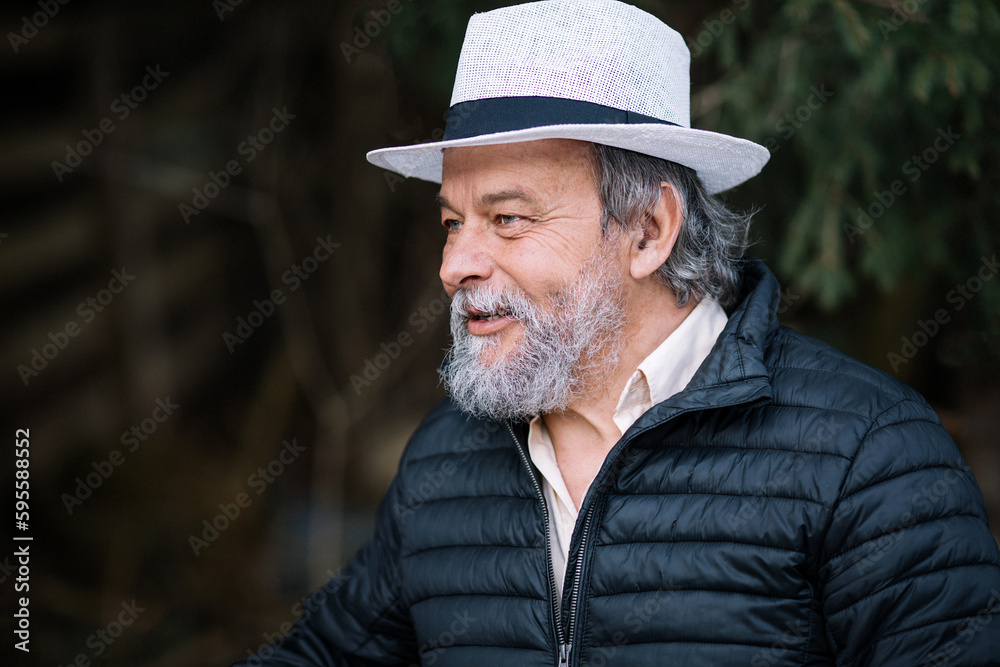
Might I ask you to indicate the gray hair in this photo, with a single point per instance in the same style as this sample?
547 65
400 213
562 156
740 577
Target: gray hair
706 258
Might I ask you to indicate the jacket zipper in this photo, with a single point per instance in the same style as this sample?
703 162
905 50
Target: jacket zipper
574 596
564 636
561 635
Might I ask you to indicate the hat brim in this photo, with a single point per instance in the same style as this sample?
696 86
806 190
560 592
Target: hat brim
721 161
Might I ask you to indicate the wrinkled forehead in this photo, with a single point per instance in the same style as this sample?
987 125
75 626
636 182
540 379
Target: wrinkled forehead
549 166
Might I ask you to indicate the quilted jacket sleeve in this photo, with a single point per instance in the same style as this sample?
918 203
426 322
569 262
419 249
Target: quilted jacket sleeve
909 573
356 618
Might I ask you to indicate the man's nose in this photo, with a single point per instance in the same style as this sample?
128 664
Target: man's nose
465 259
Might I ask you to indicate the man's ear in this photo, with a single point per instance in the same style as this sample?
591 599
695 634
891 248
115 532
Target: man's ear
655 236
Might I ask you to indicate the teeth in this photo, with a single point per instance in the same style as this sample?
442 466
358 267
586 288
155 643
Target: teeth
494 316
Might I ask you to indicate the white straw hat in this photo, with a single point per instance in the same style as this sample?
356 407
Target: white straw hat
593 70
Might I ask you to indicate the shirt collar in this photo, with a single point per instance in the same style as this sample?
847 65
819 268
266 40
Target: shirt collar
663 373
669 368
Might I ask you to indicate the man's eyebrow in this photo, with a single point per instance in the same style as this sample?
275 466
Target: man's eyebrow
494 198
441 202
490 199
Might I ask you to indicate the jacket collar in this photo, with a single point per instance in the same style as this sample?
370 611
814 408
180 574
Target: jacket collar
734 372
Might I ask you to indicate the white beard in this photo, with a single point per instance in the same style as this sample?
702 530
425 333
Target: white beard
564 352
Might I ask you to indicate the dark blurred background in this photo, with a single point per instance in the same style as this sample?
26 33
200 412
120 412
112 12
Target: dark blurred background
221 324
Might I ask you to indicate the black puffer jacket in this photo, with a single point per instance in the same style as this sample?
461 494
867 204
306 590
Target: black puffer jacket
790 507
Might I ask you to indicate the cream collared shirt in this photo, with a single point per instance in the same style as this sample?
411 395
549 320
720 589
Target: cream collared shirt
665 372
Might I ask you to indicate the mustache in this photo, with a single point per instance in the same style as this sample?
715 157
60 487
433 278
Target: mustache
489 300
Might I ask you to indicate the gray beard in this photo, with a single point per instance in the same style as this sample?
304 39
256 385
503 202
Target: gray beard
564 353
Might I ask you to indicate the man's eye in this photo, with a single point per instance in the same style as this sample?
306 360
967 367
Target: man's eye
452 225
507 219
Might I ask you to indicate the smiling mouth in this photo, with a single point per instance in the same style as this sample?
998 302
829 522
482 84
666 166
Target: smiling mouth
487 317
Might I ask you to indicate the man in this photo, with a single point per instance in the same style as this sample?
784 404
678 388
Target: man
636 464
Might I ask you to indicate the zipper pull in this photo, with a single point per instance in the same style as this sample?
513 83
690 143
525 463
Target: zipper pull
564 650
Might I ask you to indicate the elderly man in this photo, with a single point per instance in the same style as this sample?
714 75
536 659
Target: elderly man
636 464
